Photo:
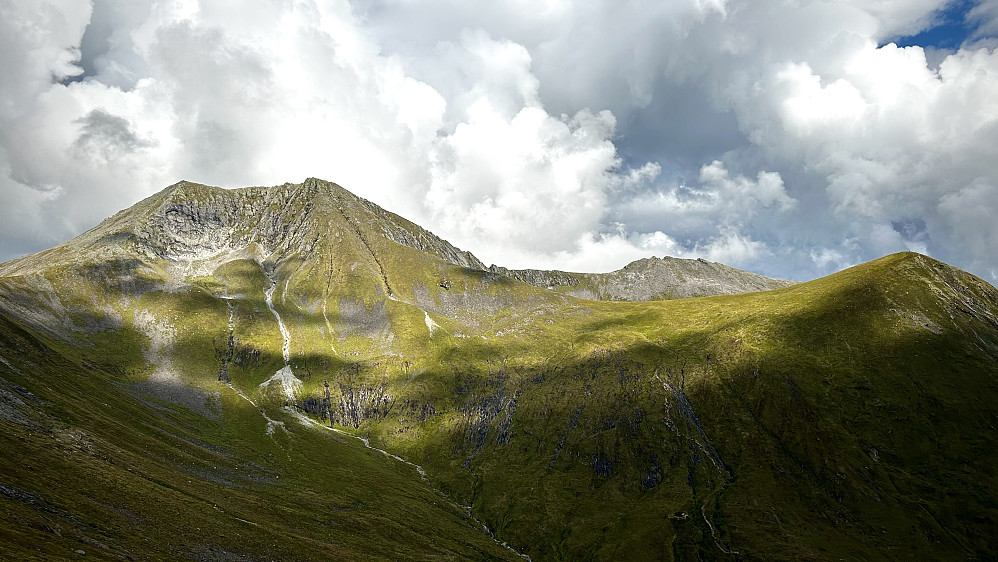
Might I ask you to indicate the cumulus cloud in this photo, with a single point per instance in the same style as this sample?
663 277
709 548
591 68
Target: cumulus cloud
887 138
716 200
794 139
985 16
204 96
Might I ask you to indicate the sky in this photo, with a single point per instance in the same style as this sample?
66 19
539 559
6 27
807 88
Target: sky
793 138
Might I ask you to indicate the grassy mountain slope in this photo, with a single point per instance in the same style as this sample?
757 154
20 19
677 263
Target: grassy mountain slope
105 457
175 354
849 417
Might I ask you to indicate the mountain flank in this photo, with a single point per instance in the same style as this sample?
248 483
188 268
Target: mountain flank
294 373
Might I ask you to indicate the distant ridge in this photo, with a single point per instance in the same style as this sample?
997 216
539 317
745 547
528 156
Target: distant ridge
650 279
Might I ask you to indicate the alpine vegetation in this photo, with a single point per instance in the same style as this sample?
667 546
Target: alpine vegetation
294 373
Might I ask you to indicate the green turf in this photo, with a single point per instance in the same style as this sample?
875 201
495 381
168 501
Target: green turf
851 417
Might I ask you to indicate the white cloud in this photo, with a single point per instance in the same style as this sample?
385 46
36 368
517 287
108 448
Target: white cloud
712 216
524 132
829 259
732 247
985 15
973 207
39 41
222 100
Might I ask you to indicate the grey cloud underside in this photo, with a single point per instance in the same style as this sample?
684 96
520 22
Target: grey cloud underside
104 135
789 140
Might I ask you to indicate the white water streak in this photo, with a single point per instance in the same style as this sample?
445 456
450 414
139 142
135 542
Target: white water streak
285 376
307 421
329 327
288 381
269 297
433 326
272 424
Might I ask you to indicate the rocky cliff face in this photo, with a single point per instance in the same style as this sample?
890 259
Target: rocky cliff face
195 222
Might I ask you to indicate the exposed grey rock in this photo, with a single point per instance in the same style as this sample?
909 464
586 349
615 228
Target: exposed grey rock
361 402
17 404
357 320
650 279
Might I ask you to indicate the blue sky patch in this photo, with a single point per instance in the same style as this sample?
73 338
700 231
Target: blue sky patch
951 28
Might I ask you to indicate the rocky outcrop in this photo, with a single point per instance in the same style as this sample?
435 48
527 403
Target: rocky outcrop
199 222
542 278
361 402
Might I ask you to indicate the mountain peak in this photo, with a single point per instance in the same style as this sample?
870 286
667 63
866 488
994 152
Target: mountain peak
190 223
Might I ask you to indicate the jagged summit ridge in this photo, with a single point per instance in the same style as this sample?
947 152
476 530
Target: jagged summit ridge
196 219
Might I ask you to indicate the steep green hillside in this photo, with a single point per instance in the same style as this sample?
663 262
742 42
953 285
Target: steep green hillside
169 380
853 417
103 459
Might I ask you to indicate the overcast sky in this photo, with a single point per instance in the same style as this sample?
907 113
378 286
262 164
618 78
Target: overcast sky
788 137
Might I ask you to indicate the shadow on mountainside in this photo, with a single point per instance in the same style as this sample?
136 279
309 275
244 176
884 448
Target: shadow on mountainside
819 425
850 417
